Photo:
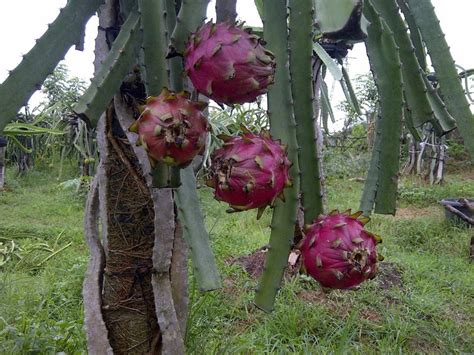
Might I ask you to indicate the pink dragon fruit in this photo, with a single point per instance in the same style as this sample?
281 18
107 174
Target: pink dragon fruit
338 252
250 171
172 128
228 64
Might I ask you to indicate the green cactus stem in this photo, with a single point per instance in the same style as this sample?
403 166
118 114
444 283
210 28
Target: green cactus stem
108 79
191 15
444 120
410 126
348 90
325 101
175 64
415 35
195 233
443 63
154 29
414 86
282 123
153 25
40 61
382 179
301 57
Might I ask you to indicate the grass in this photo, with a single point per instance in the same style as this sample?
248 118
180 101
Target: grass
422 302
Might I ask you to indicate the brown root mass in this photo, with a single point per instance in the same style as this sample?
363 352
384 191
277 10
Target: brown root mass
128 303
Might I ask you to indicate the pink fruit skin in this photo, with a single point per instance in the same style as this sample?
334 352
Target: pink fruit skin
228 64
181 132
338 252
250 171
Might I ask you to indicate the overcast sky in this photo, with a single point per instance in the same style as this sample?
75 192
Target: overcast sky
22 21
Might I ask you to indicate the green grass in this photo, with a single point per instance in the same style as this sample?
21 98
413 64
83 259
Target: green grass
422 302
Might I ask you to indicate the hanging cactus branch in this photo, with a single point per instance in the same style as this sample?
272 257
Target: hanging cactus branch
108 79
349 90
382 179
445 69
415 35
155 47
51 48
153 27
280 111
301 70
195 233
414 87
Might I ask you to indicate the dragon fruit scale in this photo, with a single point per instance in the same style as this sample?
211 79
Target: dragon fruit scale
172 128
249 171
338 252
228 64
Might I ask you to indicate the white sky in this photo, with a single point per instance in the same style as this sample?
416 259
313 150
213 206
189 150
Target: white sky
22 21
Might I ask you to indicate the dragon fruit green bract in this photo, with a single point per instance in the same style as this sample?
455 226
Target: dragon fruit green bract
338 252
228 64
250 171
172 128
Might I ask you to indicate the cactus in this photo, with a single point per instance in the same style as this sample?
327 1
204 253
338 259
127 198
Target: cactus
195 234
154 29
420 99
108 79
280 112
381 184
28 76
445 69
301 70
414 86
190 17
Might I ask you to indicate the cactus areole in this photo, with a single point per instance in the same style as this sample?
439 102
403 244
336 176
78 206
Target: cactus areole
228 64
249 171
172 128
338 252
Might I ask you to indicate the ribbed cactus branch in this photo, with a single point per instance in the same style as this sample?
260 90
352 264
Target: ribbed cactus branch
108 79
301 70
444 121
381 184
415 34
175 64
348 89
153 26
414 86
445 69
155 48
190 17
195 234
280 112
40 61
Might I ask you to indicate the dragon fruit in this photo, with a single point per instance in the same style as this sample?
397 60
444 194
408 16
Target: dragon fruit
249 171
172 128
228 64
338 252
